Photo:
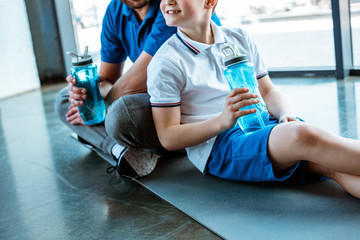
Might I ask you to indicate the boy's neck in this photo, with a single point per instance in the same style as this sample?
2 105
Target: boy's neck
203 34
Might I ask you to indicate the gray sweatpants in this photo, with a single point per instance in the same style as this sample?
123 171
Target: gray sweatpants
128 122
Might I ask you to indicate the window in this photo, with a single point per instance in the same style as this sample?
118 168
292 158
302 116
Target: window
290 34
87 19
355 25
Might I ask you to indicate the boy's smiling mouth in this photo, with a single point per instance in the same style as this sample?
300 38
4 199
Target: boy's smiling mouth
172 11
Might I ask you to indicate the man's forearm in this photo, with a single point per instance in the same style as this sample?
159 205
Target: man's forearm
127 85
133 81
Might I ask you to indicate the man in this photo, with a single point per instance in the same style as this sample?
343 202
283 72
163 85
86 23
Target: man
134 29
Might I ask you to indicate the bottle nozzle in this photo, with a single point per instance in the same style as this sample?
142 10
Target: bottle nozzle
86 51
232 55
81 60
228 51
73 55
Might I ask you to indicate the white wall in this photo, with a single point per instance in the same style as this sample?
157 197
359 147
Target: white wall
18 71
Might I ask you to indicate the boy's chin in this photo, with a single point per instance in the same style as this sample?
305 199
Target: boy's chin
170 24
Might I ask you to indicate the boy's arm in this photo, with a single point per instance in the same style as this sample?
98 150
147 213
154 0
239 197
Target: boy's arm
174 136
275 101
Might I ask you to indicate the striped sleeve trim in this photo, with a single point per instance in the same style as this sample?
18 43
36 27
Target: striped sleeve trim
165 104
262 75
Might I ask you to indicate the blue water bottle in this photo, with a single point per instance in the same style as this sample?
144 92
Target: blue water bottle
85 71
241 73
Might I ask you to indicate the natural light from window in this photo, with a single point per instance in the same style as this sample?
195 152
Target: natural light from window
290 34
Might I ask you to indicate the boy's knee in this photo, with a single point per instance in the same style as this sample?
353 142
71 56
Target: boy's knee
307 135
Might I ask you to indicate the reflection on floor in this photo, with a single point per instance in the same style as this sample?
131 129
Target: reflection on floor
52 187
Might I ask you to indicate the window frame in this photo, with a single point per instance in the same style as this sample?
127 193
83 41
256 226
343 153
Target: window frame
341 15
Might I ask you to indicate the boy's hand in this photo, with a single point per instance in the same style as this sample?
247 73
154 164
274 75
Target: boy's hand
285 119
236 99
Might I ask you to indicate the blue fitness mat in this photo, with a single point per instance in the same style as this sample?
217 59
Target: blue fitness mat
236 210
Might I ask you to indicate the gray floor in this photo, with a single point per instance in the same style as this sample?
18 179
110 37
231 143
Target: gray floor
52 187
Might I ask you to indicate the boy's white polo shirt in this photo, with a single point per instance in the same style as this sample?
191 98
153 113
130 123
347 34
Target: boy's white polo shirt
190 74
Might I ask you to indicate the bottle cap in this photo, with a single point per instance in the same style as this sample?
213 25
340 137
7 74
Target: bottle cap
232 56
81 60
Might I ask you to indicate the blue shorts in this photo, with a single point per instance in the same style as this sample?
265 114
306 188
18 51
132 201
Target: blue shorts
243 156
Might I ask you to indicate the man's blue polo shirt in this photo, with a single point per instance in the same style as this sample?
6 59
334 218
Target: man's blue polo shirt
124 36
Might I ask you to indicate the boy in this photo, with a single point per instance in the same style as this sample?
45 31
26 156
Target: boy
193 108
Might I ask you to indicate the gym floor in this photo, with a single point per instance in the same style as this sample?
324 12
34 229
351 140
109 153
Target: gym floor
52 187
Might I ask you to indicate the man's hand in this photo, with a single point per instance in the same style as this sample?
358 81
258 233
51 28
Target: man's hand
236 99
76 97
73 115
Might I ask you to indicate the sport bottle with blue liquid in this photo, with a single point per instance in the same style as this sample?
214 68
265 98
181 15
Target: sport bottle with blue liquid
240 73
85 71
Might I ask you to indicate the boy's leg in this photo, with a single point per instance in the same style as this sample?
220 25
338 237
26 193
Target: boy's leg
329 155
95 135
129 121
349 182
295 141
